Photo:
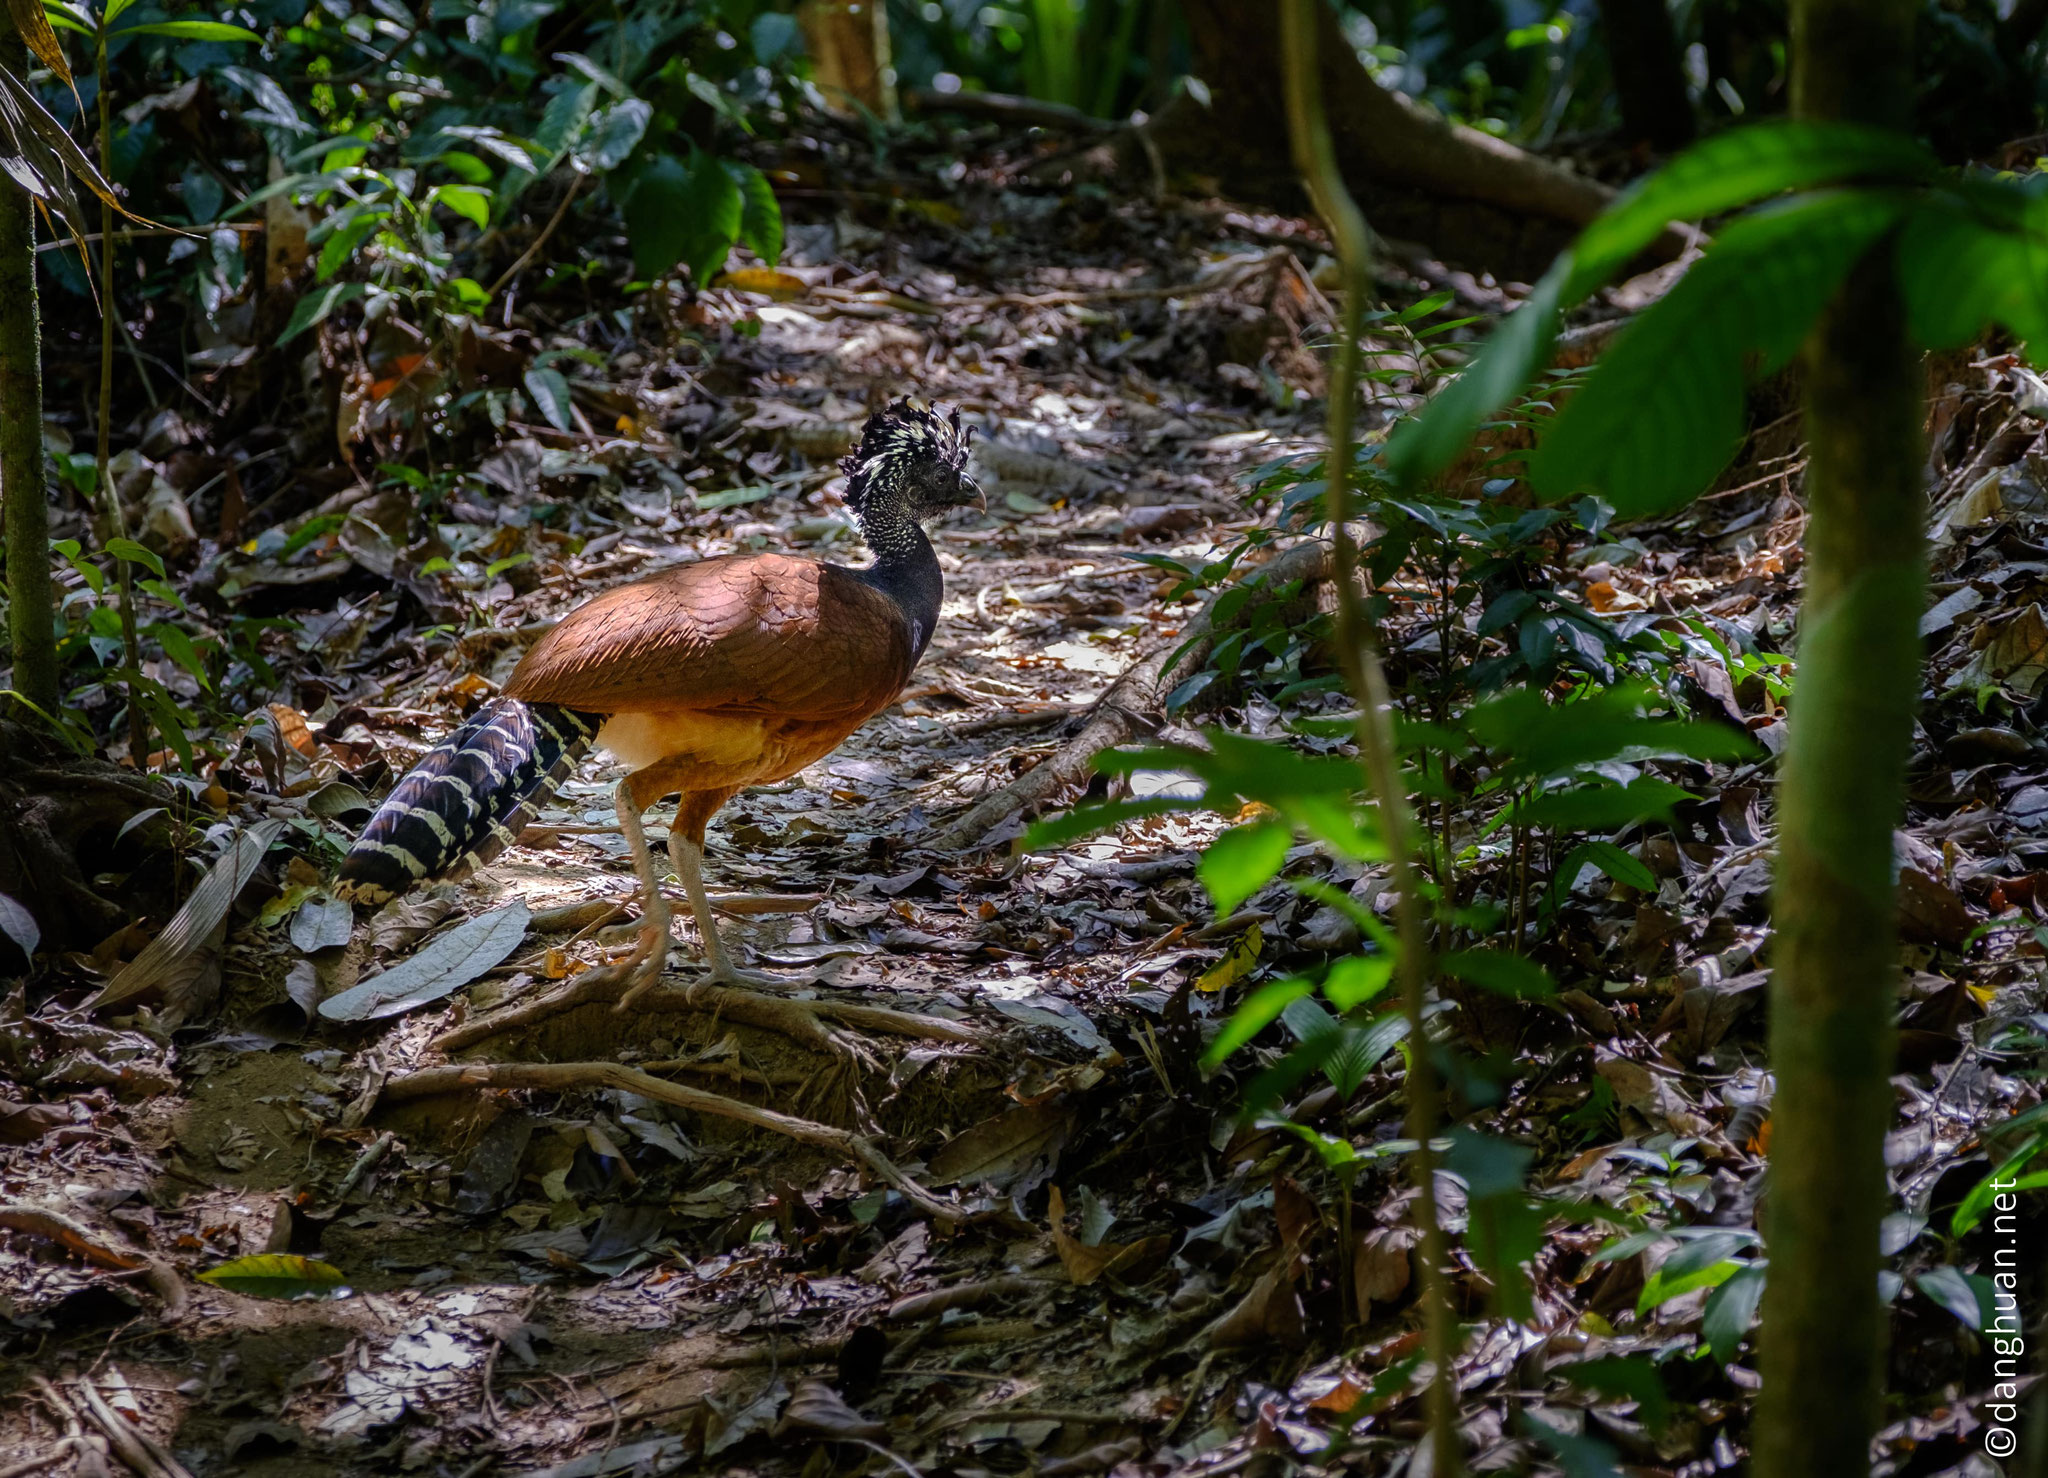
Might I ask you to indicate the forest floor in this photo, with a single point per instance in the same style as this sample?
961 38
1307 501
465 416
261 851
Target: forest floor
1087 1261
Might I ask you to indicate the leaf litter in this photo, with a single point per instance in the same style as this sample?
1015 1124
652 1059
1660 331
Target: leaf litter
596 1281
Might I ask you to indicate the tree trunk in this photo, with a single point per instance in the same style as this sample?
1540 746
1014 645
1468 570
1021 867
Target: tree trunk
1836 961
849 45
1470 196
31 613
1642 53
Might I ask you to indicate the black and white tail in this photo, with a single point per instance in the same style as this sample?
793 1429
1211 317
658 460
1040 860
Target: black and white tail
468 799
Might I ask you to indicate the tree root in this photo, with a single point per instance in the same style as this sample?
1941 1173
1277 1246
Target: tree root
1129 707
558 1077
806 1022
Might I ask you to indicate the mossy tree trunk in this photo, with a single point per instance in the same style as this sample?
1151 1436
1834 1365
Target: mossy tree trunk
1835 962
30 605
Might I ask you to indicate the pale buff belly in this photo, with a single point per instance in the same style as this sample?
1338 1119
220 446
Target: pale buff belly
711 750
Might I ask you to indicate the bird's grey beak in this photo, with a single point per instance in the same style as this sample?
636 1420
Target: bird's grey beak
972 492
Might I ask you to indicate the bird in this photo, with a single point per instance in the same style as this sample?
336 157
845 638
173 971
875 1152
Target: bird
702 679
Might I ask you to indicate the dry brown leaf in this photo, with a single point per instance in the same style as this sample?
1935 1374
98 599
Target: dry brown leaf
193 926
1015 1150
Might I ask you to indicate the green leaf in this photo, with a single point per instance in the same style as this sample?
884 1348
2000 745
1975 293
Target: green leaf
1971 257
316 305
550 394
1628 1377
1737 168
2003 1181
1503 974
1662 413
1242 861
1605 808
1578 1456
352 232
467 201
1057 831
1420 448
1659 1289
181 649
190 31
1969 1296
1356 979
1729 170
614 134
760 213
136 553
1731 1310
680 214
275 1275
1259 1011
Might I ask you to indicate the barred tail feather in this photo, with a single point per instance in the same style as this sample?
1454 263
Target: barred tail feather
468 799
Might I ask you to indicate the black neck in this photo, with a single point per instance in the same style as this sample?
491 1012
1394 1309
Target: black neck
905 568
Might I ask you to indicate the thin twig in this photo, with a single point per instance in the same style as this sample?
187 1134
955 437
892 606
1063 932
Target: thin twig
518 266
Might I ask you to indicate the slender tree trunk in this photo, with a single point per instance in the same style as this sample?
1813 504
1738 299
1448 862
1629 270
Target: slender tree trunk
30 605
1642 53
1836 961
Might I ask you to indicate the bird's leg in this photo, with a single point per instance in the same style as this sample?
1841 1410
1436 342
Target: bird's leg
642 967
687 852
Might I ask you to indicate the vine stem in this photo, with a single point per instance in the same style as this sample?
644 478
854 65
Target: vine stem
1315 156
131 643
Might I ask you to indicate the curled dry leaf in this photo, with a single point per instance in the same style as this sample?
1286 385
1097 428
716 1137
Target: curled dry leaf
194 926
816 1410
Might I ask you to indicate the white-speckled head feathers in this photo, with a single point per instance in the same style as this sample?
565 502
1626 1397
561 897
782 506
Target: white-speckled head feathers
910 456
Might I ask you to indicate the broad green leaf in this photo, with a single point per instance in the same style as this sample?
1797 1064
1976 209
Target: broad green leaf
1259 1011
136 553
1356 979
614 133
1578 1455
1604 807
550 394
1628 1376
1969 1296
1738 168
1503 974
1242 861
467 201
1057 831
181 649
2003 1181
316 305
681 214
340 247
1610 859
1659 1290
1730 170
1662 413
1730 1311
275 1275
1974 256
190 31
760 213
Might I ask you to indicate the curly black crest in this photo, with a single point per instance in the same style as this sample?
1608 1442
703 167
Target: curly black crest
901 446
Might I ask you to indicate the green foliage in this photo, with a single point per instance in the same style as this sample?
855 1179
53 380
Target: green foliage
1646 441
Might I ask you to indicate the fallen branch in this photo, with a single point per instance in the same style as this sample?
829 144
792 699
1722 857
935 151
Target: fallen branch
1125 710
560 1077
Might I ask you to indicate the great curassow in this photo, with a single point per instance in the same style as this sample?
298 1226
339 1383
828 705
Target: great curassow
703 680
